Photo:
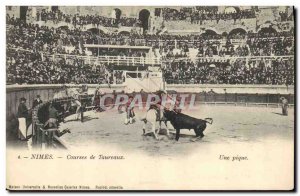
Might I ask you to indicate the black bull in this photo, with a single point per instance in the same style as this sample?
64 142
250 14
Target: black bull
182 121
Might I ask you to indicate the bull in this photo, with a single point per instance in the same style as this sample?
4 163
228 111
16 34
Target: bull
183 121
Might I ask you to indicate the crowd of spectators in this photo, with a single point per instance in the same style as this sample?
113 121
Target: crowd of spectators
238 71
80 20
29 47
60 41
67 41
30 36
129 22
267 34
24 67
199 14
194 14
210 13
275 46
198 17
285 17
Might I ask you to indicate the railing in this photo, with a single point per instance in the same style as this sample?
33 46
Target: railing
137 61
220 58
155 58
141 61
117 60
172 42
120 41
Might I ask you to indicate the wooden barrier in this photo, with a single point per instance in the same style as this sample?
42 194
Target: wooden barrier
48 138
48 91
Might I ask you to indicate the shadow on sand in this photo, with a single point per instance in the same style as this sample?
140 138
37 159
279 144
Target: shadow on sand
85 119
278 113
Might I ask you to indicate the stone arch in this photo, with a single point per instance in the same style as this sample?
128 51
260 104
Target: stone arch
94 30
266 30
123 32
268 24
210 31
61 24
238 29
62 27
241 32
232 9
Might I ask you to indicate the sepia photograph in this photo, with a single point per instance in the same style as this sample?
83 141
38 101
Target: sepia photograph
150 98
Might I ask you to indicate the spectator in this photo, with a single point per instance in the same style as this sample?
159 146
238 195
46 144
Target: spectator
37 101
53 116
284 106
22 117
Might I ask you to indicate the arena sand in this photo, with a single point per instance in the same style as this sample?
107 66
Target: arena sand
232 126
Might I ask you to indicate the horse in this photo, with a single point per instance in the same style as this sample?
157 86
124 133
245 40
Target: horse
152 116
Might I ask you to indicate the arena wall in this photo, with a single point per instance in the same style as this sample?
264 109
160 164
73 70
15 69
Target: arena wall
219 88
47 92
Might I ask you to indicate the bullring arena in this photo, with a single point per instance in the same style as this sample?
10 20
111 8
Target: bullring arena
234 123
239 66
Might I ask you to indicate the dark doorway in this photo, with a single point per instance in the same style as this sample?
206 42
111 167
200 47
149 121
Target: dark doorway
209 32
267 31
54 8
118 13
144 18
23 12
